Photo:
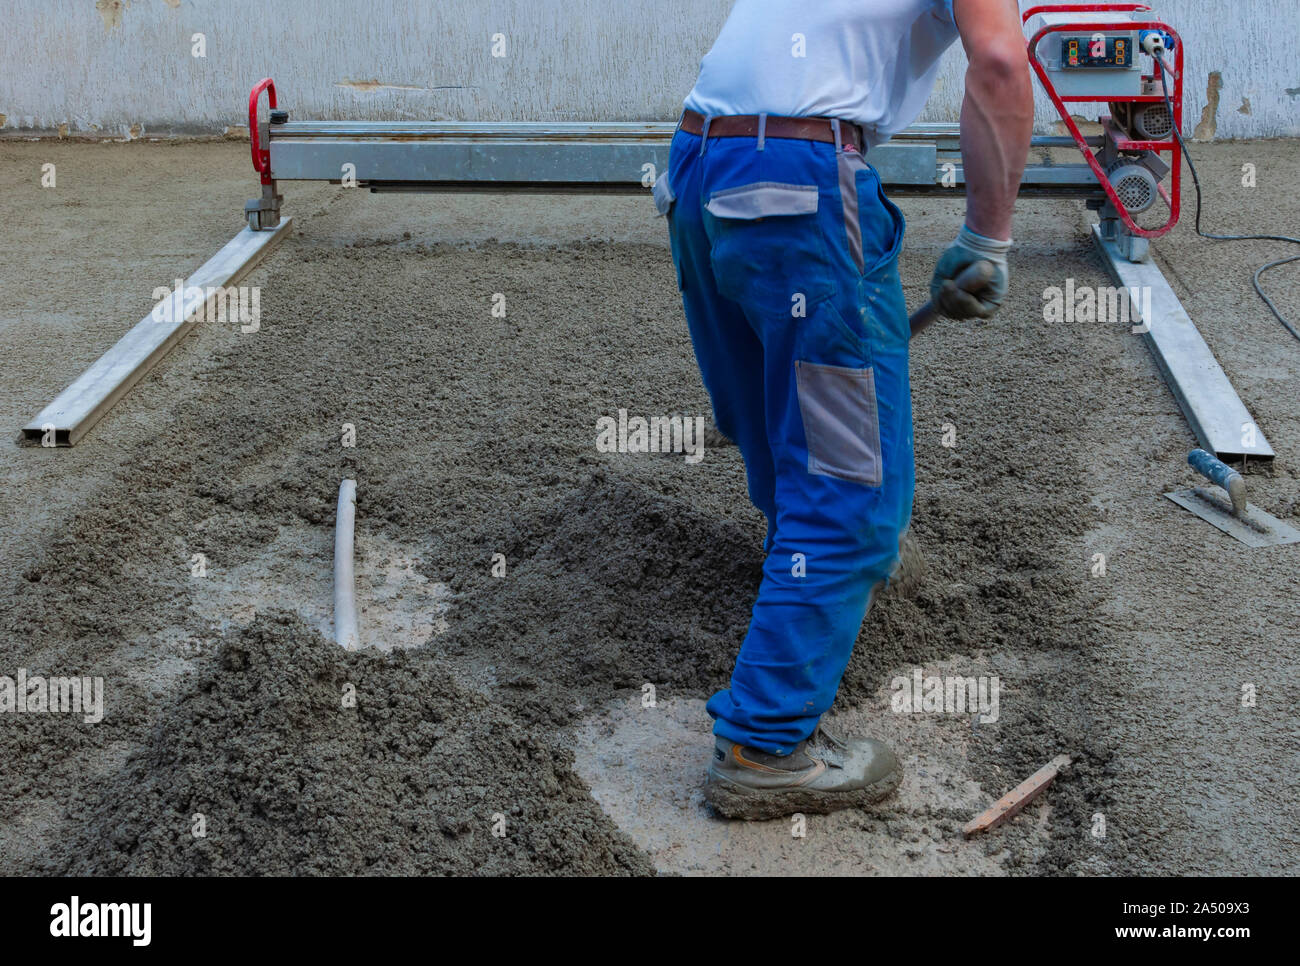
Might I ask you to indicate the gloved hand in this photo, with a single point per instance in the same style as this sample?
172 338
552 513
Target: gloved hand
969 248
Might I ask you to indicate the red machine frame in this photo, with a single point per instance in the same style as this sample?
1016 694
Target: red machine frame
1121 140
261 155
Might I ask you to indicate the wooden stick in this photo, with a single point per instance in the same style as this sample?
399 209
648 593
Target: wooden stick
1010 804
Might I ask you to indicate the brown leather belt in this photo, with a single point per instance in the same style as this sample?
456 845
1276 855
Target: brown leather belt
778 126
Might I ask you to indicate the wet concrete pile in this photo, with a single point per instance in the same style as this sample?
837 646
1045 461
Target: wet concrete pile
290 756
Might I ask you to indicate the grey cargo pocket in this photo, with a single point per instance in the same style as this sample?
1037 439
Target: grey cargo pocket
840 421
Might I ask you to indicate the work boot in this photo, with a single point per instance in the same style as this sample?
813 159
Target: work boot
824 773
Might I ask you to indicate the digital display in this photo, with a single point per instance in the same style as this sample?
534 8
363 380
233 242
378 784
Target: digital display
1098 51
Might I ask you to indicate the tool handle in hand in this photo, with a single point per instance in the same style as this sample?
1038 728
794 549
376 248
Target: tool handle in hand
973 277
1222 474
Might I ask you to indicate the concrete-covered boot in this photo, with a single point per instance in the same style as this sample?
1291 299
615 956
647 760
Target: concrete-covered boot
823 774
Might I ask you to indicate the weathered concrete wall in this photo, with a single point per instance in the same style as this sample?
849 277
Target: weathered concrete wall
128 66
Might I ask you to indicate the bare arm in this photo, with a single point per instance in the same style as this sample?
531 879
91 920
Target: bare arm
997 115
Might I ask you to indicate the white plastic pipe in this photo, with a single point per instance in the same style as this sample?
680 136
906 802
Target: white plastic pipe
345 605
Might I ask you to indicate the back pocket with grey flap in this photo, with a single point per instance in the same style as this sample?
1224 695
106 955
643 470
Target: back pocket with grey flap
767 245
840 421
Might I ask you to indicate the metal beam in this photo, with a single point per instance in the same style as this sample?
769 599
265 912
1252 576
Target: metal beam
64 421
1217 416
583 157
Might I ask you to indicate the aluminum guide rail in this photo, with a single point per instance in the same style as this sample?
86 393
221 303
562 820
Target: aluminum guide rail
1218 418
95 391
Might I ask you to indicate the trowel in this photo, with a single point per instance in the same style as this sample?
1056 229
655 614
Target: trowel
973 278
1234 516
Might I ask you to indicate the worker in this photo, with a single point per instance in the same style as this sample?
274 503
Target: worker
786 253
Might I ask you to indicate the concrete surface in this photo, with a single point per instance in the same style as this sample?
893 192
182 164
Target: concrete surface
1065 441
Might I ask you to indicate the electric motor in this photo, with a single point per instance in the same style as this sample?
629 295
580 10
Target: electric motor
1135 185
1152 121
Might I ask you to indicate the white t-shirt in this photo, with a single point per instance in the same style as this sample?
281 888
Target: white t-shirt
869 61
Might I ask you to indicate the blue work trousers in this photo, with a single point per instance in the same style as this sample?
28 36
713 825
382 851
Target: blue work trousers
787 259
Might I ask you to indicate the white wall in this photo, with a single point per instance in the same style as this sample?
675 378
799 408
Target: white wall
118 65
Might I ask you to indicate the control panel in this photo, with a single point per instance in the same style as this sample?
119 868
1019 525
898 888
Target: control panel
1096 51
1101 62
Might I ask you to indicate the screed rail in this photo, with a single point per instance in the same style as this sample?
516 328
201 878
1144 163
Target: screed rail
92 394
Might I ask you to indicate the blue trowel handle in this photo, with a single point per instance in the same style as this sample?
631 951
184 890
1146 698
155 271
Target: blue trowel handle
1216 471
